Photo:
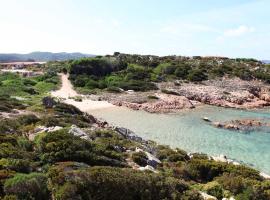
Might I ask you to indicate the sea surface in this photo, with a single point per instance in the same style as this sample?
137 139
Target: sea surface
187 130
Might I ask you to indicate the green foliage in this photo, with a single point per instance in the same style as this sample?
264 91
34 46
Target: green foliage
182 71
165 153
113 183
91 66
140 158
7 104
214 189
197 75
18 165
63 146
14 124
27 186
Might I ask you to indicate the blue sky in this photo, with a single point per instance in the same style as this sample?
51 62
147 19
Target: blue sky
234 28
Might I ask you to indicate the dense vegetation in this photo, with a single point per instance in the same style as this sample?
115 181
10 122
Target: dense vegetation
140 73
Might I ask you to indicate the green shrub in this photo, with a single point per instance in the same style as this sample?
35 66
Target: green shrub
196 75
114 89
140 158
18 165
114 184
214 189
182 71
27 186
61 146
164 153
234 184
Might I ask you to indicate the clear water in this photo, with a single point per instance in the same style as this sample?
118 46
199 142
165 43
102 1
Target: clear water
188 131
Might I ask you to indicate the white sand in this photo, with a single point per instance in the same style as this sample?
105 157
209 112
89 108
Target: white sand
66 92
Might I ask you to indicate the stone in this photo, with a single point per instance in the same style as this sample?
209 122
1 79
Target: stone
206 196
74 130
48 102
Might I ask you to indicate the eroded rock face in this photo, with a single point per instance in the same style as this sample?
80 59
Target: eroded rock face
232 93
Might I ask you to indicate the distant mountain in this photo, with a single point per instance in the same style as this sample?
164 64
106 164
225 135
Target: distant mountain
41 56
266 61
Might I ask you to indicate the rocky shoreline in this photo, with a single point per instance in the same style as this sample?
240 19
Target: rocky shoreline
164 103
225 92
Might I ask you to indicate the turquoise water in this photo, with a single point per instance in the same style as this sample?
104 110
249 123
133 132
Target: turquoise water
188 131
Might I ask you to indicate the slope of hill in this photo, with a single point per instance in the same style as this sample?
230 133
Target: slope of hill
42 56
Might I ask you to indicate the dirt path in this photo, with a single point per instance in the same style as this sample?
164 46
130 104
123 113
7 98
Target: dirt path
66 90
66 93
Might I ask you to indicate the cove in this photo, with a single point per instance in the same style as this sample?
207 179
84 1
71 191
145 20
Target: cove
187 130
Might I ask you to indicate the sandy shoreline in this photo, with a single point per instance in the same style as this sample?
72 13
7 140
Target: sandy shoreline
66 93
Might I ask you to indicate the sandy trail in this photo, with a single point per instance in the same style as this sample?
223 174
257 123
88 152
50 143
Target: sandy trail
66 90
66 93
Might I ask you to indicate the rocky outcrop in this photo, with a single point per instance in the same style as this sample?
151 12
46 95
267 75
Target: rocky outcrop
233 93
151 159
164 103
74 130
242 125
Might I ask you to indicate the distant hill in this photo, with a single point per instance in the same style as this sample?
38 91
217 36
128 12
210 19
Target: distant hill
266 61
41 56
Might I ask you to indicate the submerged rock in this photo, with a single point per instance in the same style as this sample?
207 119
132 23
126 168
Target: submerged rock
242 125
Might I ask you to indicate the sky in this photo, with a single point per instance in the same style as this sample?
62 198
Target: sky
233 28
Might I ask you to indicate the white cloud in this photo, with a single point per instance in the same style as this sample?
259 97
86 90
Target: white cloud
241 30
186 28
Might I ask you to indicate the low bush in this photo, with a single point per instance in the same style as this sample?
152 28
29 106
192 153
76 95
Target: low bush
27 186
114 184
140 158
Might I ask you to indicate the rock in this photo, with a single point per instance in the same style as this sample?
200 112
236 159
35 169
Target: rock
220 158
206 196
42 129
130 91
55 128
90 118
128 134
147 167
218 124
151 159
78 132
231 198
48 102
242 125
265 176
206 119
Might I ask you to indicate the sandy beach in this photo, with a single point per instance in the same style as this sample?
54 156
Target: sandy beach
66 93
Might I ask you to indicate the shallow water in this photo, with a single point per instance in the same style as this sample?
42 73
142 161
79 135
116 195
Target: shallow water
188 131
